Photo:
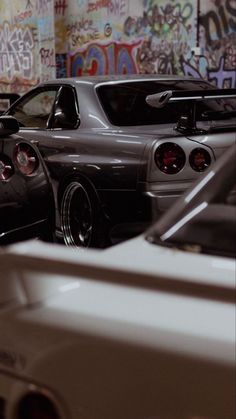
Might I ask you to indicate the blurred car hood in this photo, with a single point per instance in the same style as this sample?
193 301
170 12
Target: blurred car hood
116 295
115 265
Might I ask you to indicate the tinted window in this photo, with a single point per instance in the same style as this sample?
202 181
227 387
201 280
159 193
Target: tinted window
125 103
65 115
34 110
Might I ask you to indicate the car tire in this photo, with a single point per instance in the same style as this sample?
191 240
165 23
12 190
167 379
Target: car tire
80 216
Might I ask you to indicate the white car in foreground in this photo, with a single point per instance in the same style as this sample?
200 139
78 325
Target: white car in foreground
142 330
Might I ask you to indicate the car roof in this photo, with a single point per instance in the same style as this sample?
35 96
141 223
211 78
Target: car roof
99 79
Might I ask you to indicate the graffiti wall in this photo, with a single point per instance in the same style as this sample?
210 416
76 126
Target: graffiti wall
142 36
151 36
217 43
27 43
41 39
217 38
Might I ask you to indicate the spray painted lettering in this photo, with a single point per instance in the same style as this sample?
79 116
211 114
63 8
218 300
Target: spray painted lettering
81 32
113 7
61 7
112 58
166 31
16 51
218 41
22 16
219 23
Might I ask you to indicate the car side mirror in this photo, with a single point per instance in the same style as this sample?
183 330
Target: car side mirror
8 125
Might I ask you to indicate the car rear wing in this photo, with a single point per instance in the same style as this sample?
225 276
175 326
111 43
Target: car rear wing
187 122
159 100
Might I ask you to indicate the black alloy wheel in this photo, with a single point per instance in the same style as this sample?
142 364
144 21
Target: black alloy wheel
78 216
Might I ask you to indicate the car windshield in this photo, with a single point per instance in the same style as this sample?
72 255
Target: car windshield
125 103
204 218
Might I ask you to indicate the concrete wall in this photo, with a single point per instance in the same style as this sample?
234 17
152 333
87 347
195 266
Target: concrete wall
41 39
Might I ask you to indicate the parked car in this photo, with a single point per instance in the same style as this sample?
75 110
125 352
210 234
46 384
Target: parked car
26 200
116 161
141 330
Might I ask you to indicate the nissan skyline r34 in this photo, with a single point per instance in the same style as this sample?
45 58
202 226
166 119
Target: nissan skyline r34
121 149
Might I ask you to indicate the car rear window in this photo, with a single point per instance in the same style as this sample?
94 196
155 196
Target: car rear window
125 103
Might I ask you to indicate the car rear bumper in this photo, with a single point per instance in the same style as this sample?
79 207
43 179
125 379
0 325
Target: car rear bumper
151 202
163 195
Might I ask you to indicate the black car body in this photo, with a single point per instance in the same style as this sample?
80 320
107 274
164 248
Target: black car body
26 201
116 161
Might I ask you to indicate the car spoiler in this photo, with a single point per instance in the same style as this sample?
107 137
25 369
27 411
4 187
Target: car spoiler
187 122
159 100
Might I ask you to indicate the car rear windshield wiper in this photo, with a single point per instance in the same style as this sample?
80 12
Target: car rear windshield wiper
218 114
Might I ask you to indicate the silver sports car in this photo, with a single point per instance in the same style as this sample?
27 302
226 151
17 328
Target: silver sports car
121 149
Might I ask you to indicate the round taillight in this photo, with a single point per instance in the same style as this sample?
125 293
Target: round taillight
170 158
6 168
199 159
36 406
26 159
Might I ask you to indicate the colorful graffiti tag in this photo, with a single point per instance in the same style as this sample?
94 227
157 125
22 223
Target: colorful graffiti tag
159 37
112 58
27 47
167 31
16 51
17 58
218 42
41 39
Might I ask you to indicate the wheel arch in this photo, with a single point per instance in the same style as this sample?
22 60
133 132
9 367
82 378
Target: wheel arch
76 176
92 229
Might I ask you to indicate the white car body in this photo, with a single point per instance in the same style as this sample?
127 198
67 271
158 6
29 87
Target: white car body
142 330
110 337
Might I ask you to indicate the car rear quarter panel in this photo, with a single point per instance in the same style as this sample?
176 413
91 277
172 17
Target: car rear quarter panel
218 142
108 159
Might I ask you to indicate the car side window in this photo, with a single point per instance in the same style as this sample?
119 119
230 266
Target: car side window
65 115
34 111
